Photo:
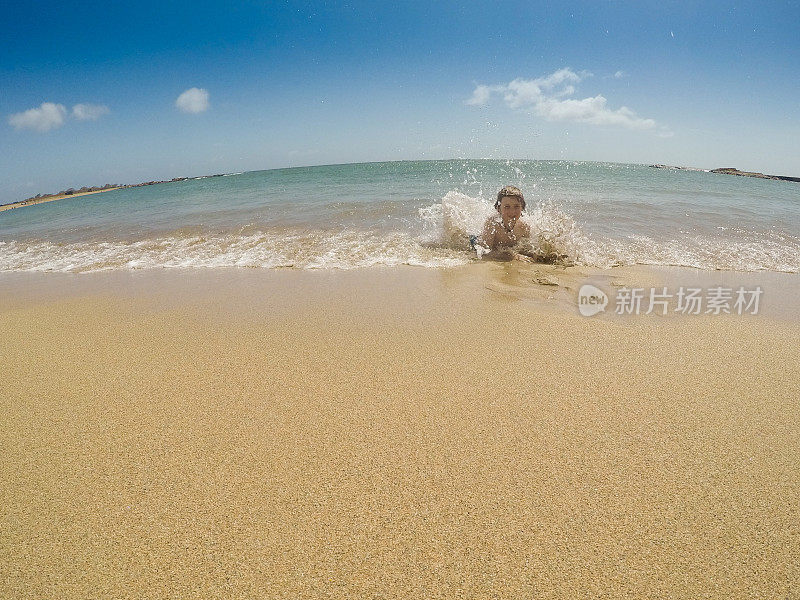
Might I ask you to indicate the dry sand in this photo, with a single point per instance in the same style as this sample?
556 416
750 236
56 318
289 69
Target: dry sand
404 433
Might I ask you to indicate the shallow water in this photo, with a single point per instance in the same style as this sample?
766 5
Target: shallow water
416 213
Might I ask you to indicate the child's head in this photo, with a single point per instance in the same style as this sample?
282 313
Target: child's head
512 192
510 202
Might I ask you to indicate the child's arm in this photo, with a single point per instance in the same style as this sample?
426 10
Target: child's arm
484 243
486 238
524 241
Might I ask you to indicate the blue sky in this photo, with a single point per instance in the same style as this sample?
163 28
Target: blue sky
274 84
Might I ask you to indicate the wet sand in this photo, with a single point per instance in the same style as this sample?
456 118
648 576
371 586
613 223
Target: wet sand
398 433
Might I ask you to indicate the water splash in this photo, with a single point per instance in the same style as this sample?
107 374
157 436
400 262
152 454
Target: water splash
554 235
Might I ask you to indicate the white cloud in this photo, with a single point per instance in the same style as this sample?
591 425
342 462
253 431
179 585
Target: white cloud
480 97
194 100
593 111
548 97
619 74
48 116
89 112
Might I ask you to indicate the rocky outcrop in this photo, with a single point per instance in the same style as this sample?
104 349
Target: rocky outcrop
729 171
670 167
732 171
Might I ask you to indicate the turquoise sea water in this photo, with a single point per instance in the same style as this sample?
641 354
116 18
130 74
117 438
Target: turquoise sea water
416 213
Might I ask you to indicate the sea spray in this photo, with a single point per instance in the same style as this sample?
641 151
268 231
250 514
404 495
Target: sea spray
555 237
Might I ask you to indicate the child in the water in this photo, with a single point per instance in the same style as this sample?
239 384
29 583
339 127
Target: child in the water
503 232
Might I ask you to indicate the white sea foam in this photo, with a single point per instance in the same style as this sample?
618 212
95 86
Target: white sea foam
268 250
709 253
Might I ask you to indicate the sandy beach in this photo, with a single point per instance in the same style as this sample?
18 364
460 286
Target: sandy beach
393 433
32 201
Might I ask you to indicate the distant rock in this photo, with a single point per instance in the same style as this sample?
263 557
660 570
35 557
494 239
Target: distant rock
732 171
728 171
671 168
107 186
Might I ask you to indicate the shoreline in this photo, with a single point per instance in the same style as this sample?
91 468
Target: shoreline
50 198
546 287
32 201
391 432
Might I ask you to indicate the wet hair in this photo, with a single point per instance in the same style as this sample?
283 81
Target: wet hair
512 191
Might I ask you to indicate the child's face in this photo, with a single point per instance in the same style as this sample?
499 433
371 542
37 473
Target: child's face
510 208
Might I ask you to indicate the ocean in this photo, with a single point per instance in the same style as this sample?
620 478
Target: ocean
417 213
